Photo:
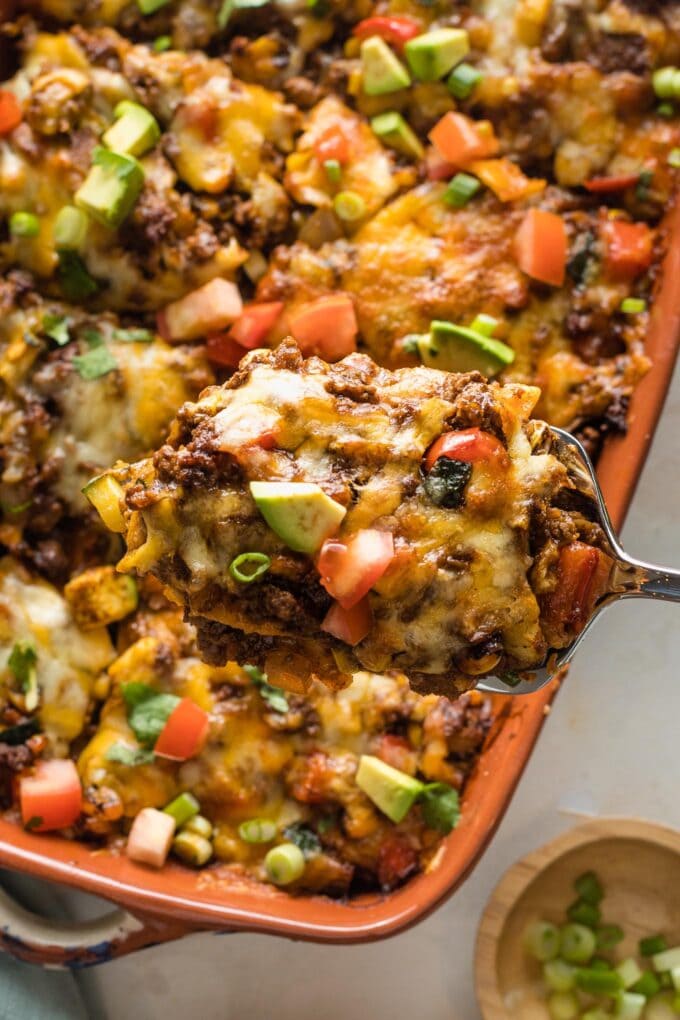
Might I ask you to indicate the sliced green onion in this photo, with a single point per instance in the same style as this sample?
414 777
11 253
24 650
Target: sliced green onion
608 935
563 1006
629 972
665 980
674 158
484 324
596 1014
648 985
663 82
333 170
577 943
284 864
559 975
630 1006
589 888
151 6
162 43
461 189
667 959
645 182
349 206
183 808
633 306
192 848
249 566
257 830
652 945
463 80
70 228
599 963
542 940
598 982
665 110
200 825
24 224
581 912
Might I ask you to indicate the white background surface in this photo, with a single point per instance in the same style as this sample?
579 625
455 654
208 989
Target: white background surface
610 747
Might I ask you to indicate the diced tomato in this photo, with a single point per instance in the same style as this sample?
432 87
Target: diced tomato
313 778
254 323
582 575
541 247
459 139
505 179
51 797
349 570
327 327
395 750
206 310
150 837
222 349
436 167
629 248
469 445
349 625
10 112
396 29
396 860
185 732
599 185
333 143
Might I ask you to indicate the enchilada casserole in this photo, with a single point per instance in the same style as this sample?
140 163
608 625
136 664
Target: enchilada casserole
468 188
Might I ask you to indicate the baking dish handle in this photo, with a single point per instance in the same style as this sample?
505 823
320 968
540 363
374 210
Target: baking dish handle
35 939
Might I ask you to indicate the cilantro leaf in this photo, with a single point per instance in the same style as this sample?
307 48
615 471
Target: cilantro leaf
129 755
98 361
148 711
133 336
303 837
440 806
74 279
21 662
273 696
93 337
56 328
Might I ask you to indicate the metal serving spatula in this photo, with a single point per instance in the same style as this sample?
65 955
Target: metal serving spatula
629 578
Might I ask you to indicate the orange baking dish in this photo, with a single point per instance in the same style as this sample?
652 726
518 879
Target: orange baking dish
158 906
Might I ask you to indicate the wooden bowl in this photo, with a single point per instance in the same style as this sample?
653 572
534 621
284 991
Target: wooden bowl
639 866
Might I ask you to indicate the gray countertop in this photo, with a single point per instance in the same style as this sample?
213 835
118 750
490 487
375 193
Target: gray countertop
610 747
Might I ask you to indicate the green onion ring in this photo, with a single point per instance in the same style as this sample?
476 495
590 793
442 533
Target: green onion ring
257 560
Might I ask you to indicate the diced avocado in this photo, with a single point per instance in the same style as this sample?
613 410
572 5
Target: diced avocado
134 132
381 71
150 6
432 55
300 513
392 129
111 188
390 790
100 596
106 496
458 349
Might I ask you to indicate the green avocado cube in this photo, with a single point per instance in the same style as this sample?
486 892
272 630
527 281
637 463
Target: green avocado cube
134 132
111 188
453 348
392 791
392 129
381 71
432 55
300 513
